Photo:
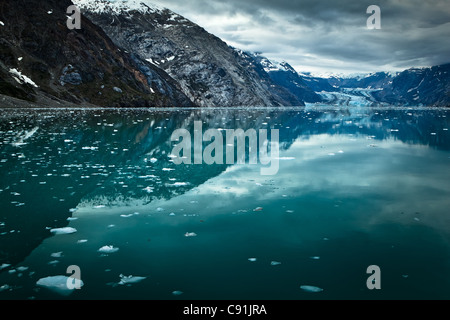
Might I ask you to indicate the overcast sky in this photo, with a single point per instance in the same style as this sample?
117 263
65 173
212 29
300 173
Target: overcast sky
322 36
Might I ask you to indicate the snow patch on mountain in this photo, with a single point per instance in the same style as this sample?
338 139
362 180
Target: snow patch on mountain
117 6
20 78
272 65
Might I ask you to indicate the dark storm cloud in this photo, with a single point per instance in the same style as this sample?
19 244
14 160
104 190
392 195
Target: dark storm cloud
317 35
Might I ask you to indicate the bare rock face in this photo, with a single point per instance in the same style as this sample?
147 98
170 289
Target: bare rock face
210 73
40 57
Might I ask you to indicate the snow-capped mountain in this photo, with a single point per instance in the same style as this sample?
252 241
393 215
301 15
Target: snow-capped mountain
412 87
419 86
284 75
209 72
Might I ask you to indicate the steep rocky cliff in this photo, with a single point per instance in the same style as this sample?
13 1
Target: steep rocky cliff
42 60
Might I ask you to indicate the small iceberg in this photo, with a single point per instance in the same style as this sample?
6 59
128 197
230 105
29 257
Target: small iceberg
258 209
127 215
57 284
177 293
66 230
127 280
56 254
275 263
252 259
190 234
311 289
4 265
108 249
22 269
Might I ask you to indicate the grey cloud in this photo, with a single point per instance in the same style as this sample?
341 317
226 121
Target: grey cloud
312 34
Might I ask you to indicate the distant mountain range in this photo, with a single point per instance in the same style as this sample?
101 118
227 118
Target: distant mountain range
132 53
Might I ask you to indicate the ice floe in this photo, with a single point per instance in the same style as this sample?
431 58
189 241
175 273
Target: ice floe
190 234
4 265
22 269
66 230
57 284
275 263
309 288
129 215
252 259
127 280
56 254
5 287
177 292
108 249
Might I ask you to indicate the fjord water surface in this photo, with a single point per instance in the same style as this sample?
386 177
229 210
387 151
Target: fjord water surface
98 189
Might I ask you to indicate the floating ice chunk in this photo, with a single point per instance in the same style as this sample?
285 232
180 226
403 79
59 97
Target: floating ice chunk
127 215
4 265
153 160
331 154
252 259
1 23
108 249
405 276
172 214
71 218
313 289
416 219
315 257
167 169
179 184
82 241
53 262
190 234
177 293
148 189
159 209
258 209
289 211
57 284
111 226
5 286
130 279
66 230
56 254
275 263
99 207
22 269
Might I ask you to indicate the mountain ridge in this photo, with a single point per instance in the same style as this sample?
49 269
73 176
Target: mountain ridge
209 71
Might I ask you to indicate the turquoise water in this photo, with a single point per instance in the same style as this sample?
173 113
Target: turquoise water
355 187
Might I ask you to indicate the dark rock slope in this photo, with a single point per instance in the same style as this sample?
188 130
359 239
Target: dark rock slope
42 60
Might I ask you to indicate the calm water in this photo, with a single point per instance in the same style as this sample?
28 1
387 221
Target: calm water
355 187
